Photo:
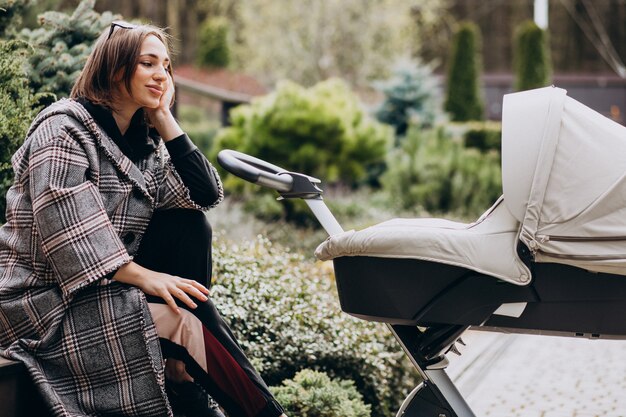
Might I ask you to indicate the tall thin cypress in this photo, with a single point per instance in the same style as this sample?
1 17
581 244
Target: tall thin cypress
464 101
531 57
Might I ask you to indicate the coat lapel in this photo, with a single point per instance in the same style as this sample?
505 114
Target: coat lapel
114 154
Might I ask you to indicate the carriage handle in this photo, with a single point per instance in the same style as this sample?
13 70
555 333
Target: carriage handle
288 184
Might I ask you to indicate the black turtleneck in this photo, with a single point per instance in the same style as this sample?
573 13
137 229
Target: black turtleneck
139 141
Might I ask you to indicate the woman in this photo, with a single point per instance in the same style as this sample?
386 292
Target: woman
106 251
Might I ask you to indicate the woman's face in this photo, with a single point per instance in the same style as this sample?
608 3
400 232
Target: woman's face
150 79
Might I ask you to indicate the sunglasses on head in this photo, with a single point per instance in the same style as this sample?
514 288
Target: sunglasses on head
122 25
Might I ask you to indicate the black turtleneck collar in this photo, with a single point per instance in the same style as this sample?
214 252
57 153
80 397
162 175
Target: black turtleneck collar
138 142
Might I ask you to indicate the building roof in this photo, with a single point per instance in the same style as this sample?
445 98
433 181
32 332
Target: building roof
222 84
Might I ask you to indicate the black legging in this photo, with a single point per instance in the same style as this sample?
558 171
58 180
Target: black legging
178 242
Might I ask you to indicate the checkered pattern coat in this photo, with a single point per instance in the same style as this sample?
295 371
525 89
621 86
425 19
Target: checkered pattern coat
76 212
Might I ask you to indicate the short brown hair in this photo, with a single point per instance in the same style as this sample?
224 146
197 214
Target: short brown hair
117 49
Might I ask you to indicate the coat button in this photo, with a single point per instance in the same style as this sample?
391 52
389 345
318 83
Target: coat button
128 238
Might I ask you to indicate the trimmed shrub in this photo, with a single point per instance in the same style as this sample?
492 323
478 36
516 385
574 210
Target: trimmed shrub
213 51
463 100
433 172
531 57
322 131
284 310
411 97
314 394
484 136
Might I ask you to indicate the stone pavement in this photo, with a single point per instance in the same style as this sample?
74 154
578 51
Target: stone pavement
505 375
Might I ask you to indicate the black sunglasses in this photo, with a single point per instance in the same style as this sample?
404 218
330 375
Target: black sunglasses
122 25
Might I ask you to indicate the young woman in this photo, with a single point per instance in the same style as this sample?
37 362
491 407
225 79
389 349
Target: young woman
105 257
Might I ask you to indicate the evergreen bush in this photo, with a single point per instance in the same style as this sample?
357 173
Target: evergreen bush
411 97
18 107
322 131
463 99
484 136
531 57
10 16
314 394
62 45
433 172
213 51
284 310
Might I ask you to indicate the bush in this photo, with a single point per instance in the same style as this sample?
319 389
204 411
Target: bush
18 107
434 172
62 45
11 12
411 97
531 57
314 394
322 131
464 101
213 49
200 128
485 136
284 310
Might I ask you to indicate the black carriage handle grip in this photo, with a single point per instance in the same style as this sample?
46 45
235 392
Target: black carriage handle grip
255 170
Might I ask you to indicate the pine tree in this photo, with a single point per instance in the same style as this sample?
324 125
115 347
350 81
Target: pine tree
62 45
10 15
531 57
411 97
464 101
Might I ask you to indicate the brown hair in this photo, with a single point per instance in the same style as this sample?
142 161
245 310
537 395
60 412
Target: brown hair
116 51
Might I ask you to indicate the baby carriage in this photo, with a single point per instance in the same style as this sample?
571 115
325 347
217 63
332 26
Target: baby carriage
549 257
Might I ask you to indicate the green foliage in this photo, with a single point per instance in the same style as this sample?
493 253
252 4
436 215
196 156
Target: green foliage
284 310
314 394
322 131
531 57
18 106
10 15
484 136
200 128
213 51
434 172
464 101
309 41
62 45
411 97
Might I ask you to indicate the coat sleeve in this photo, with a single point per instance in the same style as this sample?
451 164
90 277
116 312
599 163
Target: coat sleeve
173 193
76 234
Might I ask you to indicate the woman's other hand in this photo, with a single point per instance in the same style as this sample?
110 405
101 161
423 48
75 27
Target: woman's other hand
162 285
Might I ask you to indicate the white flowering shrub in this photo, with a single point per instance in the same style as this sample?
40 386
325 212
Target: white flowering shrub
284 310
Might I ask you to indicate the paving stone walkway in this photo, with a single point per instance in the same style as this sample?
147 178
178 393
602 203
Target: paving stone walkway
541 376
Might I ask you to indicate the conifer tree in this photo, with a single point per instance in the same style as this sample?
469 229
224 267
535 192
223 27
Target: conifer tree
62 45
531 57
411 97
463 100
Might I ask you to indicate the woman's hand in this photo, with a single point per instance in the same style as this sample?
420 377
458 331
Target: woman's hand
161 116
162 285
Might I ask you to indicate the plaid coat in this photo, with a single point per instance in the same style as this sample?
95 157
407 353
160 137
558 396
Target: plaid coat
76 212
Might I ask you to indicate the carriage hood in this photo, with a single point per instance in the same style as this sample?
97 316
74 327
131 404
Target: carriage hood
564 179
